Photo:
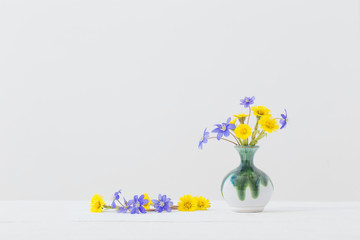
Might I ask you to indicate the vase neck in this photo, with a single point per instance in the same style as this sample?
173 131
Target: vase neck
247 156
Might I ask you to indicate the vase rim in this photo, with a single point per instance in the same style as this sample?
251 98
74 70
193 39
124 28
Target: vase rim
240 146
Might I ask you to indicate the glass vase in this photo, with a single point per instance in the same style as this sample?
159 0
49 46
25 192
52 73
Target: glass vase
247 188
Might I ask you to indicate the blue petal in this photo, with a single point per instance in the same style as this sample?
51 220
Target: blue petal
131 202
228 120
135 210
215 130
167 208
136 198
227 133
219 135
141 198
144 201
155 201
142 209
116 195
231 126
122 210
113 205
283 125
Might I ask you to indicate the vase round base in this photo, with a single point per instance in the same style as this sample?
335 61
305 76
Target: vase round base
248 209
247 189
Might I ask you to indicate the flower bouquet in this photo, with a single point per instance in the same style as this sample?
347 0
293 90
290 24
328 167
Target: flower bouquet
246 188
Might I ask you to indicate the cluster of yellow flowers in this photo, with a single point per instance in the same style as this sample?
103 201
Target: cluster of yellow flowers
243 131
190 203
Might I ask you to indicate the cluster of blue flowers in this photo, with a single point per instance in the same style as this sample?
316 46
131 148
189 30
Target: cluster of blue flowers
137 204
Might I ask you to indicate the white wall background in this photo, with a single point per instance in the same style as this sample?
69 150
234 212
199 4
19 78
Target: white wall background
101 95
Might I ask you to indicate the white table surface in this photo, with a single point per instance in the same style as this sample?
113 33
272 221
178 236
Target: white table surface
280 220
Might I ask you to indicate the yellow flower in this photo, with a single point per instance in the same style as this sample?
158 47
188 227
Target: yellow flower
243 131
261 111
147 206
268 124
187 203
232 121
241 115
202 203
97 203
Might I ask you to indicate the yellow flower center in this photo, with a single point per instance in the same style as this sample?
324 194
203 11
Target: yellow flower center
260 112
162 204
247 100
270 124
200 204
201 139
138 205
223 128
188 205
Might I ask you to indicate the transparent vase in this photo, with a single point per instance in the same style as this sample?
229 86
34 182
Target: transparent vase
247 188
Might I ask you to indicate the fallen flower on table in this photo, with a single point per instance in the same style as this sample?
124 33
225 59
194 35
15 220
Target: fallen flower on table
187 203
143 203
202 203
116 198
163 203
147 206
137 204
97 203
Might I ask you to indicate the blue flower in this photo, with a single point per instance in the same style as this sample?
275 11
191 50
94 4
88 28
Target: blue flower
247 101
204 138
116 197
136 204
163 203
283 120
125 208
223 129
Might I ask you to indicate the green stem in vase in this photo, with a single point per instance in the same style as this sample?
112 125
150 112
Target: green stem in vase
253 135
260 136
